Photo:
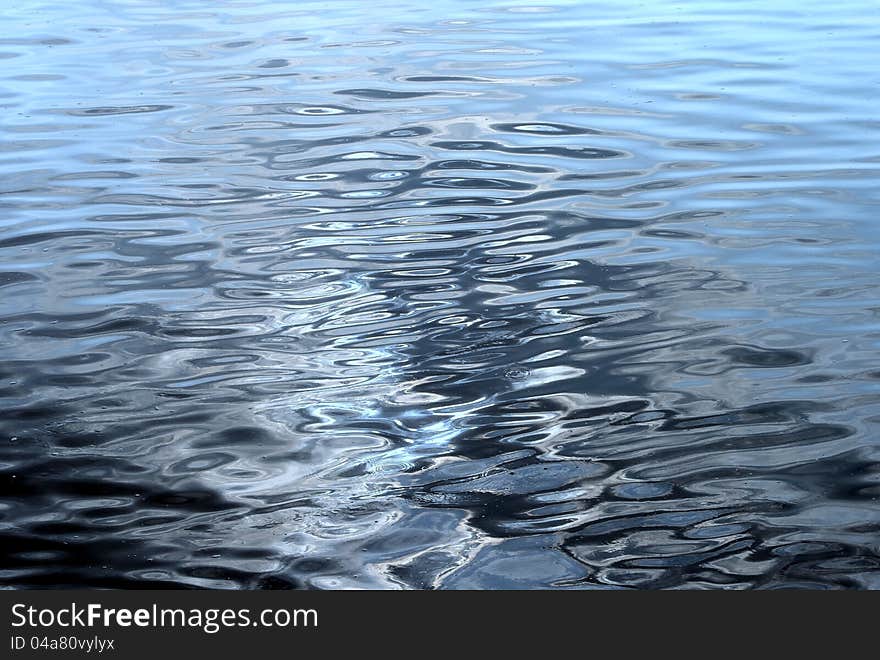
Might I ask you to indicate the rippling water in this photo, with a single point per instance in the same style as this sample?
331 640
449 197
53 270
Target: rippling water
439 295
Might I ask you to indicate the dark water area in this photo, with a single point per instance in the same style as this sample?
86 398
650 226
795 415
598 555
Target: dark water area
439 295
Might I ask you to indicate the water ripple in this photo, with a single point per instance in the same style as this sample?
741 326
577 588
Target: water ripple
439 299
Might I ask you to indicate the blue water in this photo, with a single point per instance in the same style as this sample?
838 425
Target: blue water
439 295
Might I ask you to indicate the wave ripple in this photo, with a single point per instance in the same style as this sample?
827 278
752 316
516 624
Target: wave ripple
463 296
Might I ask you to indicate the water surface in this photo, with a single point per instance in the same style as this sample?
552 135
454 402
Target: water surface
439 295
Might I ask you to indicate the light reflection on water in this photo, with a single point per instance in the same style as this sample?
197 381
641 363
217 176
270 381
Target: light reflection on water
443 295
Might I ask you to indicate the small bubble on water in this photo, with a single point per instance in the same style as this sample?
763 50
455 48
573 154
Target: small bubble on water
517 373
